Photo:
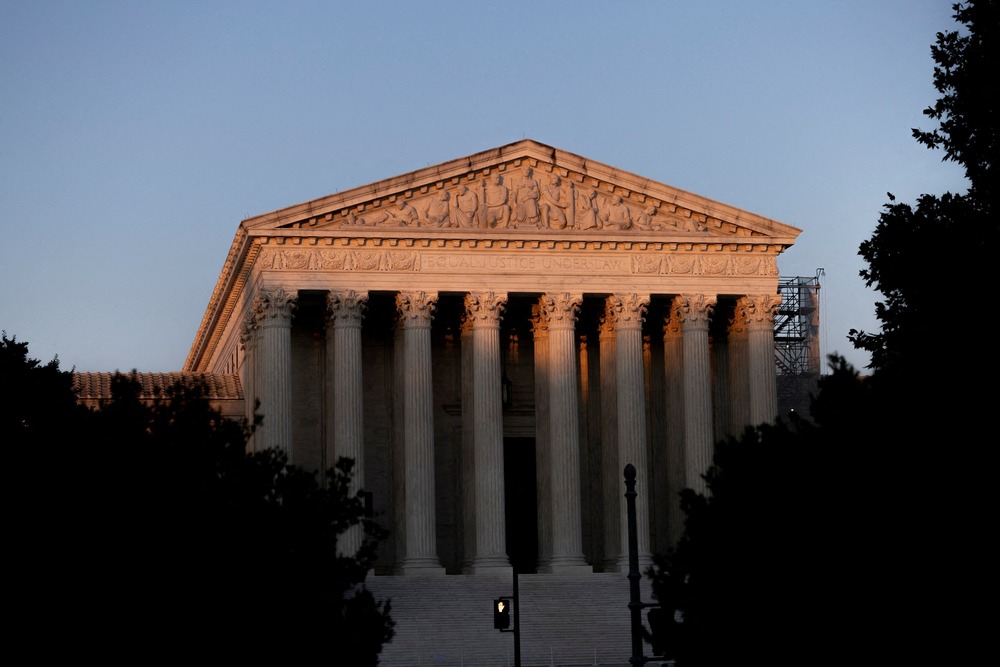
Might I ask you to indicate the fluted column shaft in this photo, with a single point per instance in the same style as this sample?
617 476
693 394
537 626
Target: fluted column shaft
249 341
673 367
739 374
274 377
611 470
468 449
627 313
344 392
415 311
485 309
696 310
759 311
543 457
560 312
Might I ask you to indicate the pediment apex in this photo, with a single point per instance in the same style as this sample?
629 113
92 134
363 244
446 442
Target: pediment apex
570 192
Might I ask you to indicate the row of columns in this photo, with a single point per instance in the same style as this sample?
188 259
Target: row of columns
688 383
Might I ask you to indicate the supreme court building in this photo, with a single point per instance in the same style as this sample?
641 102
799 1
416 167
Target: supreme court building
492 340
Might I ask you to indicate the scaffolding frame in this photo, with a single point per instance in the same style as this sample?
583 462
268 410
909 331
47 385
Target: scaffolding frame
796 326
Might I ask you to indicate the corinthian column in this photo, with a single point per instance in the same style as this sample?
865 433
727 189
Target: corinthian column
344 391
249 341
739 374
415 312
611 470
468 449
484 310
543 472
695 312
673 366
560 311
627 311
758 311
274 370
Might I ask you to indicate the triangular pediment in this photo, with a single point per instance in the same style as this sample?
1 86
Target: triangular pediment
524 187
529 215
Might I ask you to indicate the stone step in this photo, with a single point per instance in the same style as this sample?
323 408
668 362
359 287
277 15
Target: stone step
565 620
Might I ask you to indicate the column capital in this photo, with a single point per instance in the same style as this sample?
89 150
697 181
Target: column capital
673 320
626 311
559 310
539 323
758 310
274 306
346 308
695 309
416 308
485 308
249 331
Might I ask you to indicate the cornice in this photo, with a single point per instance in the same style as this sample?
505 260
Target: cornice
235 272
671 204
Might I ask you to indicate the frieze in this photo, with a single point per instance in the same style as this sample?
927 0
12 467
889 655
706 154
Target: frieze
524 195
435 261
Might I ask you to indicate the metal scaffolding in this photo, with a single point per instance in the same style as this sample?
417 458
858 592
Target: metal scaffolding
796 327
797 343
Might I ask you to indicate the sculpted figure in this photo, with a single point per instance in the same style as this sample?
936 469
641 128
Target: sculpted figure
496 198
437 210
554 204
466 208
645 222
617 215
526 210
404 215
586 210
692 225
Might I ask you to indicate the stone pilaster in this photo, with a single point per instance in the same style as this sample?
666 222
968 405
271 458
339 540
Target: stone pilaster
274 370
673 368
627 312
485 310
543 457
696 311
759 311
416 311
344 430
559 311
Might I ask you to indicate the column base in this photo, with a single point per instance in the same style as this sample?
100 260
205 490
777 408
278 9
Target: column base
645 560
568 567
421 567
492 565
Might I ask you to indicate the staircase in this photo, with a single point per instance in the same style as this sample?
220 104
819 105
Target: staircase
565 620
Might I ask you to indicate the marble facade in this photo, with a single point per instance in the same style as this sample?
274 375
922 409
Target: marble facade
492 339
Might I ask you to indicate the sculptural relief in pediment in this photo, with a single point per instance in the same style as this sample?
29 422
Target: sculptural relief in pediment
520 198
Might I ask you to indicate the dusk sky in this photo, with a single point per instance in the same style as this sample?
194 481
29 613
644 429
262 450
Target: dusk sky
136 135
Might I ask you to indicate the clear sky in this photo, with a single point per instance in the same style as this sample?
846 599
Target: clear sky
135 135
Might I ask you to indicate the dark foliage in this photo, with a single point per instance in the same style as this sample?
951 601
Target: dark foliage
769 569
859 536
148 530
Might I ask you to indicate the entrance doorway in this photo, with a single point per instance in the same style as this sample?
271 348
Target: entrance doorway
521 506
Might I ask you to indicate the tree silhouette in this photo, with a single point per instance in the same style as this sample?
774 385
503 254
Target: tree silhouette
149 528
861 535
